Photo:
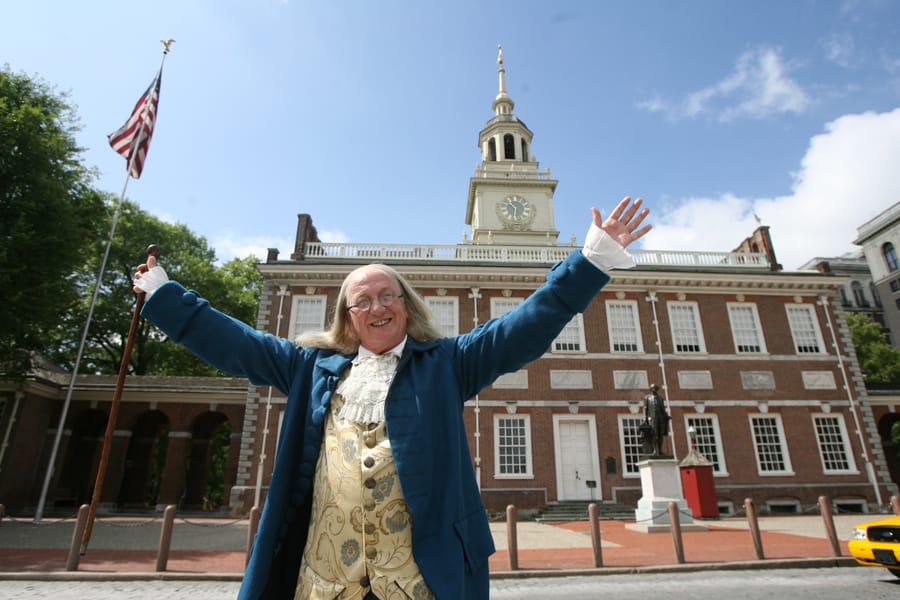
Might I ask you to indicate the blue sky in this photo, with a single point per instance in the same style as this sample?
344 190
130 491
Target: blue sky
366 114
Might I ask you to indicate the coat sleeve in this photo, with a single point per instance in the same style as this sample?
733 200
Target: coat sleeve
221 340
505 344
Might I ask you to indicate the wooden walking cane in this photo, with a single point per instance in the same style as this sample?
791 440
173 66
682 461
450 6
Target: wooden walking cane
152 250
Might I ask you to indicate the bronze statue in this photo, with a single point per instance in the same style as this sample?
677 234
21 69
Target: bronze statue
655 427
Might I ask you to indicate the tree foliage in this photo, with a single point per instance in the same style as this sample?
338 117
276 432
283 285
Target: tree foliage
233 288
48 211
878 359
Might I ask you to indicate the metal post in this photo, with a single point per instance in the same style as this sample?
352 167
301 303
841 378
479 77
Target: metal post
75 546
675 520
596 542
512 540
165 538
251 531
828 519
754 528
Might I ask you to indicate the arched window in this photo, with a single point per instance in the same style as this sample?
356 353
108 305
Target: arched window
509 147
492 150
845 301
859 296
890 256
525 151
874 292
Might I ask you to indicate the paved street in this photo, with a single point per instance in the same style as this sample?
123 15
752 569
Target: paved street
836 583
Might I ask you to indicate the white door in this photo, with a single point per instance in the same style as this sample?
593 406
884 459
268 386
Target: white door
575 464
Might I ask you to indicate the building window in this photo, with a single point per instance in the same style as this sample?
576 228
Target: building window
787 506
445 310
512 446
501 306
307 314
492 150
571 338
874 293
805 329
630 440
525 156
845 301
624 326
768 443
834 450
890 256
684 320
859 295
895 285
745 328
707 440
509 147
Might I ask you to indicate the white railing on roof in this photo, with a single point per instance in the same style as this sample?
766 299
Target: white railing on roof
542 255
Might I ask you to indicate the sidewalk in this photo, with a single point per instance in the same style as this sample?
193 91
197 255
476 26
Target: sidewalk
126 548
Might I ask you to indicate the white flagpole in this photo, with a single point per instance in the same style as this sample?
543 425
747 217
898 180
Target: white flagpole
39 511
42 500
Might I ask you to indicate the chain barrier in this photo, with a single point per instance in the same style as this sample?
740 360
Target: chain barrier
43 523
201 524
654 516
127 524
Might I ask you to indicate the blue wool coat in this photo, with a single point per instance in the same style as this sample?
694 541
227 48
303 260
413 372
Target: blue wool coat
423 412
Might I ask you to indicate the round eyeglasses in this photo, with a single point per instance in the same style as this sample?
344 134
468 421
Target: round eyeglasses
365 304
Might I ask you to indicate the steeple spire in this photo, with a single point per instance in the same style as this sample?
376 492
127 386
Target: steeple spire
503 104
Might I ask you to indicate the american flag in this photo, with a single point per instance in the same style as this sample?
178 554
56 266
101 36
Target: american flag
132 140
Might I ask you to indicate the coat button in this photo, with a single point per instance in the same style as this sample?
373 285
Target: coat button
364 581
371 552
369 462
370 441
370 528
369 504
372 426
369 483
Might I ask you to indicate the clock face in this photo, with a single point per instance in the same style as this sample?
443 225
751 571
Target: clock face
515 211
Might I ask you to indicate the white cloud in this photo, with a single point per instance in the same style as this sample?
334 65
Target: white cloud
334 237
759 86
847 176
839 49
228 246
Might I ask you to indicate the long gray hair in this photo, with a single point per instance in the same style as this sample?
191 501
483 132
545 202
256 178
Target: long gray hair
340 336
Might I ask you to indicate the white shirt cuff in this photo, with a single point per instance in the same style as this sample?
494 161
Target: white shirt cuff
605 252
152 280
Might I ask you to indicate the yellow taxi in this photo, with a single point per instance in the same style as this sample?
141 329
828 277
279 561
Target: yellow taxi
877 544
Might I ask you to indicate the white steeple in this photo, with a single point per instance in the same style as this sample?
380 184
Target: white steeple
510 201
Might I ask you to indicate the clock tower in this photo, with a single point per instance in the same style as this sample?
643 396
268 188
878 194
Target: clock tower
510 201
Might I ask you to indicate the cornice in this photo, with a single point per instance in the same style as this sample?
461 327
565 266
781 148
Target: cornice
332 273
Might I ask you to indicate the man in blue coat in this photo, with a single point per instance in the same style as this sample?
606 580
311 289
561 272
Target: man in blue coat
373 494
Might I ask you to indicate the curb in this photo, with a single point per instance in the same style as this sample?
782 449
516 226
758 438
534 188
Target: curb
779 563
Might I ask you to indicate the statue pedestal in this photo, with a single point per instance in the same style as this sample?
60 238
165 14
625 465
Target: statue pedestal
661 484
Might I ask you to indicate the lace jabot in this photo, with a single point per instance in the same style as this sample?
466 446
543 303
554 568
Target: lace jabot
366 387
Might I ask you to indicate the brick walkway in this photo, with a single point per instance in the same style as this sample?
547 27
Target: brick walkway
121 546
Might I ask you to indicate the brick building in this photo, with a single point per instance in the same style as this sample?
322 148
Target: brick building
756 362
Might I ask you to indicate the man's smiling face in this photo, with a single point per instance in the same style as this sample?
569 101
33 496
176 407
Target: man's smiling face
379 328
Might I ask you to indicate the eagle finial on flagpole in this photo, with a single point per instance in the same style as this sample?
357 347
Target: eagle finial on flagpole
167 43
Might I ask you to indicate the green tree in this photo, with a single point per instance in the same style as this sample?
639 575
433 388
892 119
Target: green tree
879 360
233 288
48 215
